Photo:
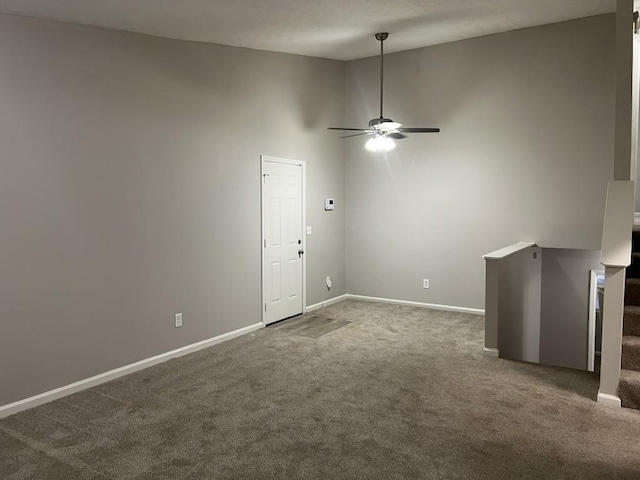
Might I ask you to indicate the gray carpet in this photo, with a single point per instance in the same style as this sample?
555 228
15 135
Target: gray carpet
398 392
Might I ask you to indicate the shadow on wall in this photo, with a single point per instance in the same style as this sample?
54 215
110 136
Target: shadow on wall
313 109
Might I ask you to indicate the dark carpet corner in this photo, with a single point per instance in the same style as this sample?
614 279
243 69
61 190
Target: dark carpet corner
309 325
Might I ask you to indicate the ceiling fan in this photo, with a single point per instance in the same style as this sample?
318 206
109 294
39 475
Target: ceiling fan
384 130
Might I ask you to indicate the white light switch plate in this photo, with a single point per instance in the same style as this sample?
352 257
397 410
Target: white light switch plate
309 230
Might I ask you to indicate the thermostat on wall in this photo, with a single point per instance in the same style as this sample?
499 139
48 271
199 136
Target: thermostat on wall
328 204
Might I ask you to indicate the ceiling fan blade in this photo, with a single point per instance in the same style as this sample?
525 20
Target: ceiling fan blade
357 134
396 135
418 130
350 129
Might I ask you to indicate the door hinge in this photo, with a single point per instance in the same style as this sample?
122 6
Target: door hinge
265 243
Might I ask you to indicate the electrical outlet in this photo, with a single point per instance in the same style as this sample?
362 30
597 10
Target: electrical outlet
329 282
425 283
309 230
178 320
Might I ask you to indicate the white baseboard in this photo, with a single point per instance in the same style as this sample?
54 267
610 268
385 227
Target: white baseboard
434 306
610 400
326 303
636 218
490 352
51 395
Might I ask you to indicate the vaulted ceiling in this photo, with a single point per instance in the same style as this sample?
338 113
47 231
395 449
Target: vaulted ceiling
339 29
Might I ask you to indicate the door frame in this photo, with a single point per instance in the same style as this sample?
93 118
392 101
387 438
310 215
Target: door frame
300 163
591 339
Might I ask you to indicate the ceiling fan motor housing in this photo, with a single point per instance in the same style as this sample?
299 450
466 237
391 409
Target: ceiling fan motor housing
378 121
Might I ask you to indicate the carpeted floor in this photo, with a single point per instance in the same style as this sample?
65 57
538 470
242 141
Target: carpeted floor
397 393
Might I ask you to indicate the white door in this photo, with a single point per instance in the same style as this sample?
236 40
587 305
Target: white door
283 242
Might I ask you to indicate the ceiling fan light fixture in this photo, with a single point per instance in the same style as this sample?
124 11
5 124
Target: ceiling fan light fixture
380 143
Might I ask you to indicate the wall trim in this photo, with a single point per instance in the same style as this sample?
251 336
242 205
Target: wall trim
490 352
326 303
636 218
20 405
451 308
610 400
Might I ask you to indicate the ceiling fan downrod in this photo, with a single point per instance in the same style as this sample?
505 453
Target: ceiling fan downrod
381 37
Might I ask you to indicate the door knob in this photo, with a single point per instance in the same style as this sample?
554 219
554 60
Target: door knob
300 252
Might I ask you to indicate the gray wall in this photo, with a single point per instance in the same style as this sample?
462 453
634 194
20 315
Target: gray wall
525 153
519 302
564 323
130 191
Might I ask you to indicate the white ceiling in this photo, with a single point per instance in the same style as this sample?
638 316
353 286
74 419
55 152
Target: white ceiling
339 29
